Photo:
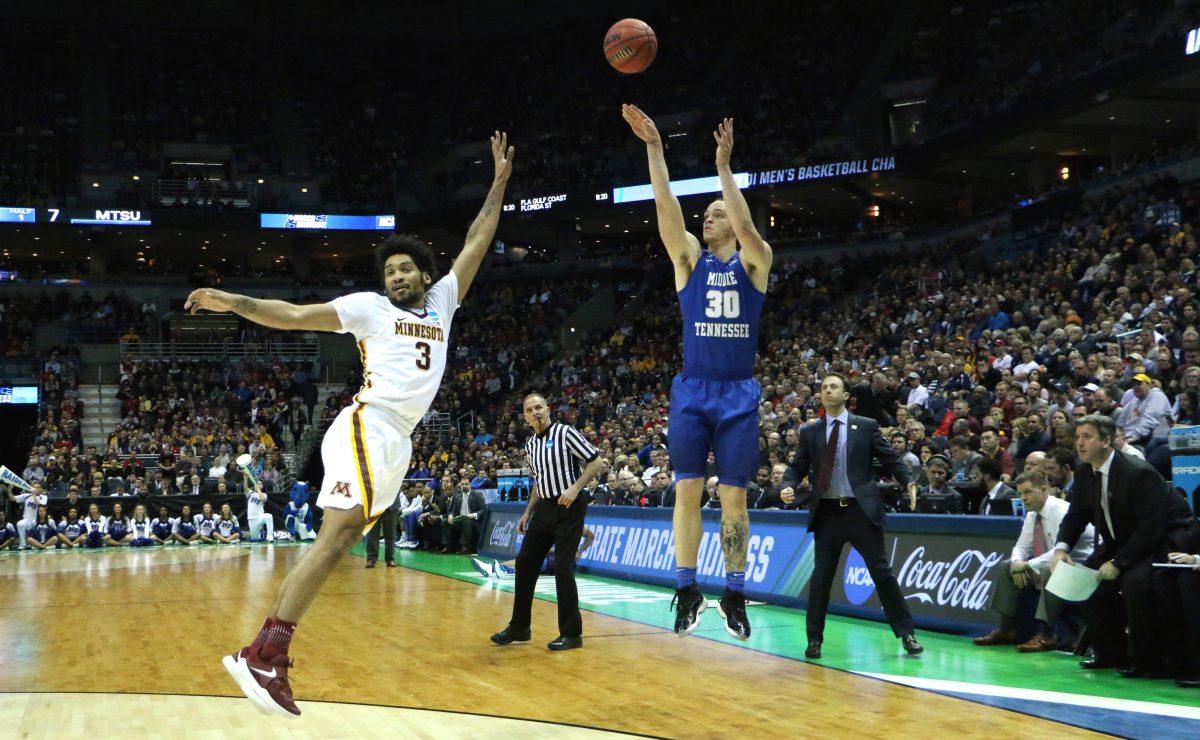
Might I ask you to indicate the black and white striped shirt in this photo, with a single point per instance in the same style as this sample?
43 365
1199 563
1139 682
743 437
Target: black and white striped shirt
557 457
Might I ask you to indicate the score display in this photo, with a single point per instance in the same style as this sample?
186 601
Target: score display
75 216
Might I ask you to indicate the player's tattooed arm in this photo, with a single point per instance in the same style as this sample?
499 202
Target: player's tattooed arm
735 536
269 313
483 228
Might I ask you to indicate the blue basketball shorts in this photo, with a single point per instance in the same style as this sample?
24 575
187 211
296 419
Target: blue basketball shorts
714 415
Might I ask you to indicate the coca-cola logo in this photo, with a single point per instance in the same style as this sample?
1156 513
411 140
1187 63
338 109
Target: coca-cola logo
502 534
962 583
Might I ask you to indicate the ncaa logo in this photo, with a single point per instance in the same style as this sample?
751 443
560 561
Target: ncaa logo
858 583
433 314
549 444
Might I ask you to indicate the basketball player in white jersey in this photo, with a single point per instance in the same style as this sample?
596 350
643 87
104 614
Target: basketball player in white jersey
402 337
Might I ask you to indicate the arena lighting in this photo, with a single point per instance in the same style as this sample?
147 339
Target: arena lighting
1193 42
1064 173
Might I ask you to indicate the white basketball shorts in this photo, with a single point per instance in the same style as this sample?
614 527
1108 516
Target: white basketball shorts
366 455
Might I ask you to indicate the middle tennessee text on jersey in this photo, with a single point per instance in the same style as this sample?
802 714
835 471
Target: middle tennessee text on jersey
720 308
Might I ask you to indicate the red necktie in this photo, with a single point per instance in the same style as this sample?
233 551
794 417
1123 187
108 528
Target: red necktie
1039 537
827 459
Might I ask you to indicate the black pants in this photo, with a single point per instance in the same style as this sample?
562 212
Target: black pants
1178 595
1127 600
385 527
460 535
834 526
551 525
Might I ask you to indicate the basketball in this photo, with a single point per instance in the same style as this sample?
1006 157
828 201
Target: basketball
630 46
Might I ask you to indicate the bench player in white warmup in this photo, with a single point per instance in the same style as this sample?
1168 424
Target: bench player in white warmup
402 338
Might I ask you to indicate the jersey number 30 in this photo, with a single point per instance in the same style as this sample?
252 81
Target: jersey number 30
723 304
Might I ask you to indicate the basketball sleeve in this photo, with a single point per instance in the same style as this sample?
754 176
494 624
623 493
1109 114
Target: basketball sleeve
579 446
357 313
443 297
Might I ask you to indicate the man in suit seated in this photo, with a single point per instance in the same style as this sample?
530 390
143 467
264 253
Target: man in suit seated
1029 567
460 528
768 497
994 488
964 464
1139 520
939 497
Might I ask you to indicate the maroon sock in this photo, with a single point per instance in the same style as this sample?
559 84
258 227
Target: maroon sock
273 639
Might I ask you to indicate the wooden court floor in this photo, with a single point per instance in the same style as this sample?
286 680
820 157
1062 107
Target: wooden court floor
86 637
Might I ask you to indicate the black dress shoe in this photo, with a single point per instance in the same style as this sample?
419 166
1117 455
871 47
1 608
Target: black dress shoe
565 643
813 651
391 563
1096 664
1191 681
509 635
911 646
370 563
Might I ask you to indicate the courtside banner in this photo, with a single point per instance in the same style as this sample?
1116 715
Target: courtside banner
944 563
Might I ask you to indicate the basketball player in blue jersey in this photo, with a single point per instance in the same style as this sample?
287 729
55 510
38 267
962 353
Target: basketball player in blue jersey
714 400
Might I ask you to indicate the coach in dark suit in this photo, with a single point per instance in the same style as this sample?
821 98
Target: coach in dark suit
836 453
1139 519
460 528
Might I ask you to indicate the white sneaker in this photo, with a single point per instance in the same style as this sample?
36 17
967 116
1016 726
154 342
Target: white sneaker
484 568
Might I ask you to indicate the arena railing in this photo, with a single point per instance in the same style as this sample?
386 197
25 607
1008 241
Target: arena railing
290 350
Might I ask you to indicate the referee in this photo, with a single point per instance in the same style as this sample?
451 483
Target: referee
553 518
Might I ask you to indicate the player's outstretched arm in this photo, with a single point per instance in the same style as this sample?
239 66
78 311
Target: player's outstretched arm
756 254
483 228
682 246
270 313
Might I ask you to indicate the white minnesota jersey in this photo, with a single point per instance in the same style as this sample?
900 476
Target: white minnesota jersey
403 350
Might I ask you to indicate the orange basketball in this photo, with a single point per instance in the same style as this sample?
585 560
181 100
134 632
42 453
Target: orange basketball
630 46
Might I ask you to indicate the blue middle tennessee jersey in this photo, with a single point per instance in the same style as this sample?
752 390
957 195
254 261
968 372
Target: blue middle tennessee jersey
720 308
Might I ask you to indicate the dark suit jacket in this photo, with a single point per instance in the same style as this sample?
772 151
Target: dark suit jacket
475 503
1005 492
1149 518
864 444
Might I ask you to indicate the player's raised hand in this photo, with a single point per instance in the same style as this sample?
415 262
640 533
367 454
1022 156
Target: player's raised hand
724 138
209 299
502 155
642 125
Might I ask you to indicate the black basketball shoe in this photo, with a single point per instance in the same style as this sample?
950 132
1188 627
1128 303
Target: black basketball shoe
688 604
732 608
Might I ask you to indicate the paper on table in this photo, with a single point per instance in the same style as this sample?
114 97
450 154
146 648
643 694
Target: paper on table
1071 582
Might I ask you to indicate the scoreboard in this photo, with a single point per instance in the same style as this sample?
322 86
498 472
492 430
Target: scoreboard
75 216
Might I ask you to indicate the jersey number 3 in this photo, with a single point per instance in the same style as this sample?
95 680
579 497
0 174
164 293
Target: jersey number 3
423 359
723 304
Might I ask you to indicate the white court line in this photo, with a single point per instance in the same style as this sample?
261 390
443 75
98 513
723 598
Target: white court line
1055 697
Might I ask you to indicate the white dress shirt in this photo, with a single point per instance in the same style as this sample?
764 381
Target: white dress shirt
1101 471
1052 513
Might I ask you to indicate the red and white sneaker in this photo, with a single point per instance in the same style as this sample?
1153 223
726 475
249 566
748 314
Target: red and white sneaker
264 683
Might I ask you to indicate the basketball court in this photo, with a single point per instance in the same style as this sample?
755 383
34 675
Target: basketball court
406 651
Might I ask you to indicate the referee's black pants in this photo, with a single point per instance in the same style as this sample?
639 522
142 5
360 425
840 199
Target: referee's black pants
561 527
